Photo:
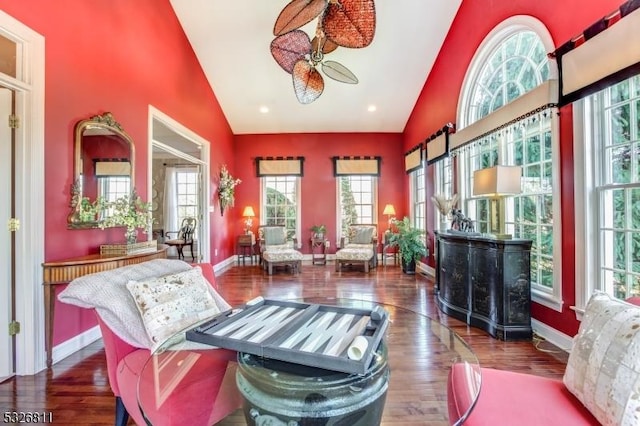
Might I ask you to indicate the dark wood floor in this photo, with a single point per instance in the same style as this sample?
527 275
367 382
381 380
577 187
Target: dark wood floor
76 389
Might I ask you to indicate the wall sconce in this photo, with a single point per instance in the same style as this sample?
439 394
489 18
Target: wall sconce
390 212
248 214
496 182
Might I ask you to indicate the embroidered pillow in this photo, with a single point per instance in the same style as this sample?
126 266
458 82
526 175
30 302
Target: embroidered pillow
603 370
172 303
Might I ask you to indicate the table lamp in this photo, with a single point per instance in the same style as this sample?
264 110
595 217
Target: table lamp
248 214
496 182
390 212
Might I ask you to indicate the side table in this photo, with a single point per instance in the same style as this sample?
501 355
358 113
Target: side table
318 251
389 251
245 247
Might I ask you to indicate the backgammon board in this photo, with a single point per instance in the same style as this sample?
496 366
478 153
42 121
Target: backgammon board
308 334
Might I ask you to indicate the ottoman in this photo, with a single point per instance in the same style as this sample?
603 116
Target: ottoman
356 254
282 257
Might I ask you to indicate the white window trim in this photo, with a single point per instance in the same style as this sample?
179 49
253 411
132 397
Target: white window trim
298 207
376 182
553 299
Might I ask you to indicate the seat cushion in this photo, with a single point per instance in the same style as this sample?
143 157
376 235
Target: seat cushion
282 255
355 253
509 398
603 370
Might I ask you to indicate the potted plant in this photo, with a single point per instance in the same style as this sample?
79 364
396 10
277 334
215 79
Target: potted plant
410 243
318 231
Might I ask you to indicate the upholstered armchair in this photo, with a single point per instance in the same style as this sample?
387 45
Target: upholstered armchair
276 249
358 246
126 347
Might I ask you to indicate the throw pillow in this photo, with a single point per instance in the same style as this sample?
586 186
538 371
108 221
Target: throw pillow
172 303
274 236
107 293
603 370
362 235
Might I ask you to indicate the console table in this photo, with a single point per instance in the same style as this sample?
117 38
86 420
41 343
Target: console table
485 282
65 271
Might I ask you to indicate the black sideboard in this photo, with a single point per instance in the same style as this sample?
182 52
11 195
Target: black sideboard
485 282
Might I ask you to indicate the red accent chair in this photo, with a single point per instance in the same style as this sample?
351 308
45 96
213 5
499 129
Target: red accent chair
510 398
125 362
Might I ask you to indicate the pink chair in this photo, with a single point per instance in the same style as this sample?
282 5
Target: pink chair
509 398
125 362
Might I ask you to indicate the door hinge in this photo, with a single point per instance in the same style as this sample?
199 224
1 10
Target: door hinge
14 121
13 225
14 328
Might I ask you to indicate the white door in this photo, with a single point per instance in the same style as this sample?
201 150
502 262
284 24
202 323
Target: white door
7 242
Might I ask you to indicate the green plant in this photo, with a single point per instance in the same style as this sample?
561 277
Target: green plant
409 240
130 212
226 190
319 229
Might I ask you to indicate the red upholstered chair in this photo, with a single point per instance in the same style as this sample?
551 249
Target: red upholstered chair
125 362
510 398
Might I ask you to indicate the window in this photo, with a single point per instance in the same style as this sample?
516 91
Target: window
113 187
357 200
608 192
188 194
280 201
418 195
511 63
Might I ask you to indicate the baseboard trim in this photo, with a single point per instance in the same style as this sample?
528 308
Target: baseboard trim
426 269
552 335
224 264
76 343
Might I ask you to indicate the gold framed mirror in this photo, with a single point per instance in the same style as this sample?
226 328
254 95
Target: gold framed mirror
103 166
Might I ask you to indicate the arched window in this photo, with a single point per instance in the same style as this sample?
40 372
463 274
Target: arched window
509 66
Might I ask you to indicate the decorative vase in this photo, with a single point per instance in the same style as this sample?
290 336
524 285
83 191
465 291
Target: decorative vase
131 235
444 225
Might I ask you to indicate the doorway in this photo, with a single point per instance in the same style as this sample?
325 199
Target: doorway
22 198
179 182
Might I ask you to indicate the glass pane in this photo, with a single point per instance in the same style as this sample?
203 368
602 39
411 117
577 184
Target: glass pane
8 56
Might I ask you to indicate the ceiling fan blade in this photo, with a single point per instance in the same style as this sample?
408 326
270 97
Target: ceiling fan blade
289 48
339 72
307 82
296 14
352 23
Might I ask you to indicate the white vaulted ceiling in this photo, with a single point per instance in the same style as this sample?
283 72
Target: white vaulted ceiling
231 39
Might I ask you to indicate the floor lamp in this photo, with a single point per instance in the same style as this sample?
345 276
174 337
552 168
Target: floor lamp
495 183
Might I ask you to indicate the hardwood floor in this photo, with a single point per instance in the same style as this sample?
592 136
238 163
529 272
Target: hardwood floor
76 389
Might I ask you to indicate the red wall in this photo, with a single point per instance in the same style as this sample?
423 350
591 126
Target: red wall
318 190
437 104
119 56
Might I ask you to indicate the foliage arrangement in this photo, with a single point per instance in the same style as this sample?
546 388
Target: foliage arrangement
226 190
318 230
409 241
130 212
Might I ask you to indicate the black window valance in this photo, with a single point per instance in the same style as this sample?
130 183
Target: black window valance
413 158
604 54
365 166
438 144
279 166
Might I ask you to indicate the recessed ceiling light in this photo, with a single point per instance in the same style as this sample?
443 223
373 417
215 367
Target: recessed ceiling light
264 109
371 108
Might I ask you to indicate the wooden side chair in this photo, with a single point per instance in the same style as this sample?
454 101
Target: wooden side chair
184 237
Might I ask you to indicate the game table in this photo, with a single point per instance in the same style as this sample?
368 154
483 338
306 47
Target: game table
406 382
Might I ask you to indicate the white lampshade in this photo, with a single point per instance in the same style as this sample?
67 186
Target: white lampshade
248 212
497 180
389 210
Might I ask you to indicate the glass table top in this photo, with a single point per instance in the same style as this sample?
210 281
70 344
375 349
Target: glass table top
187 383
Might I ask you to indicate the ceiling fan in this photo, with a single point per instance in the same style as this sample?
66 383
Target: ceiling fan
341 23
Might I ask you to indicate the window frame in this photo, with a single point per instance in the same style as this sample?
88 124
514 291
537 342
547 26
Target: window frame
503 31
418 185
297 181
374 202
588 186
